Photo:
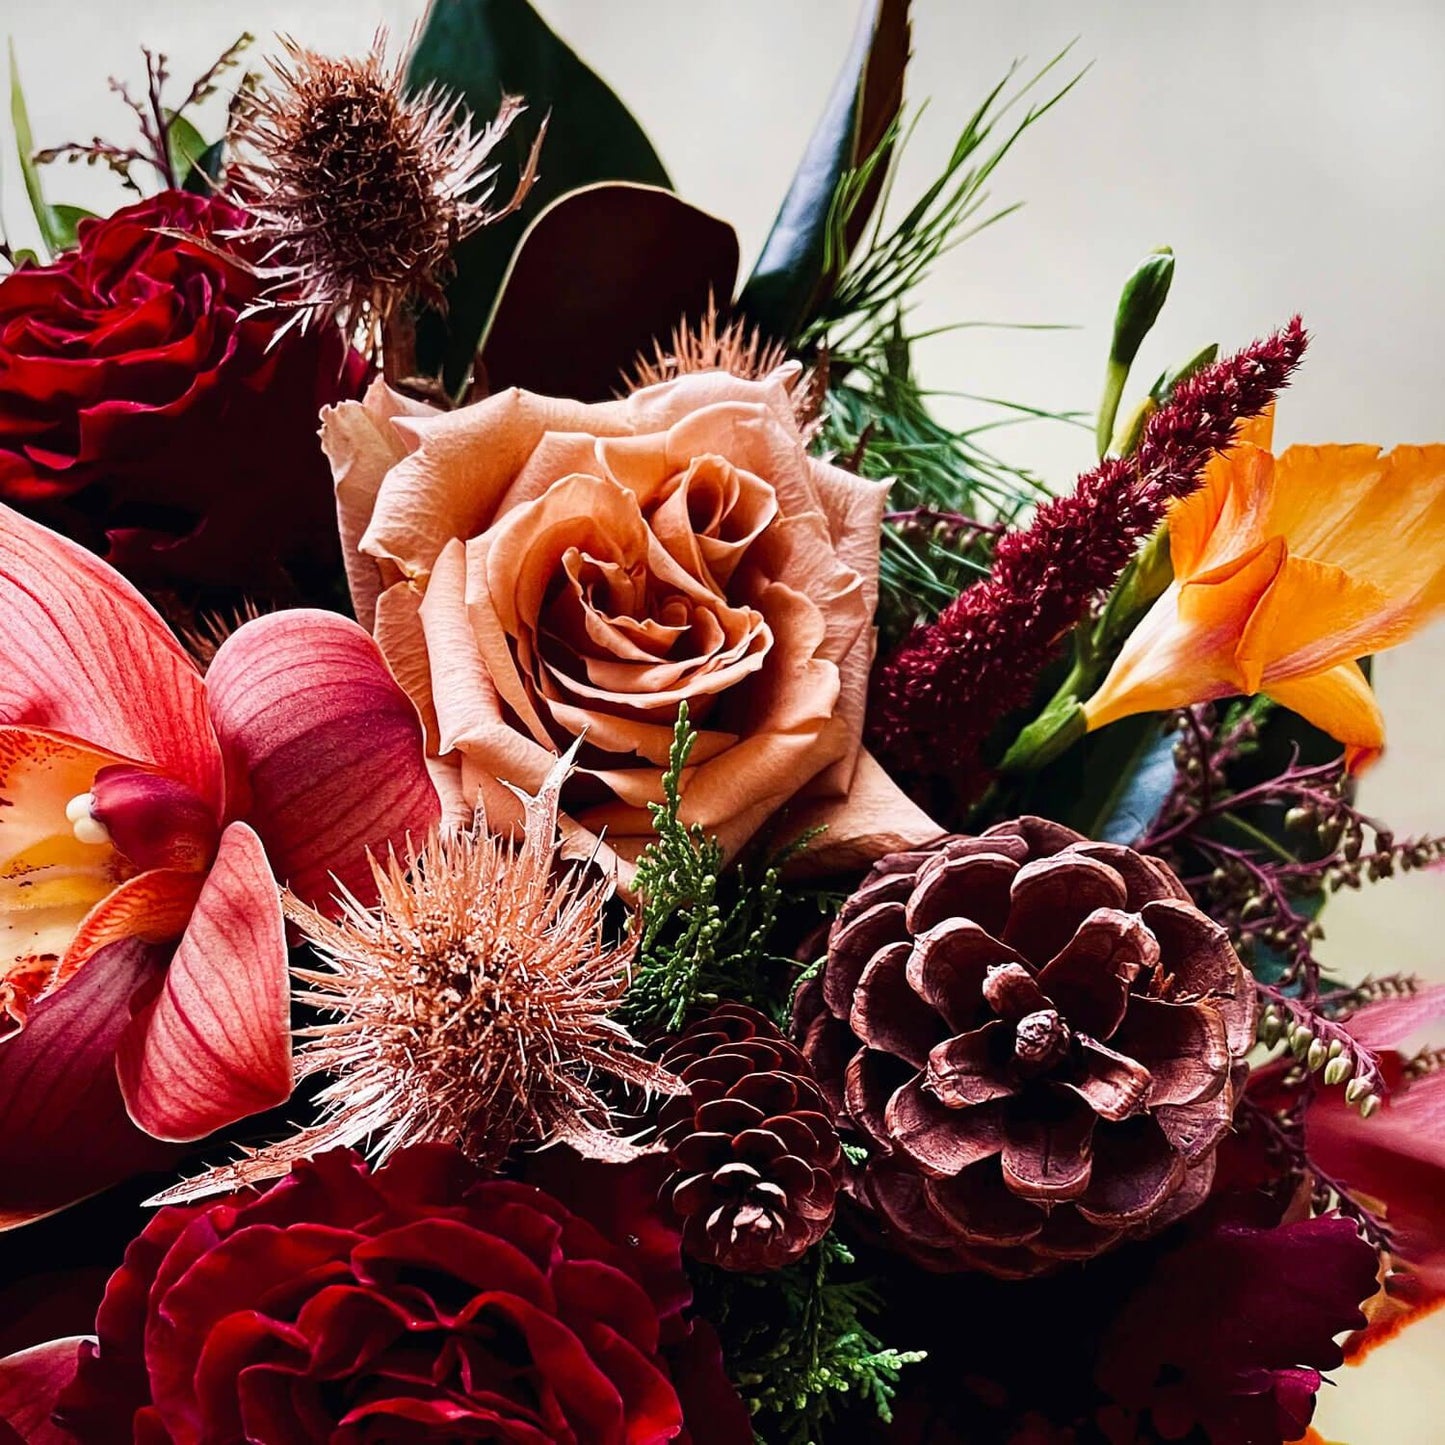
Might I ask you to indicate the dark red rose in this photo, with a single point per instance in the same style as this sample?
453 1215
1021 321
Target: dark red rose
1229 1333
143 413
418 1303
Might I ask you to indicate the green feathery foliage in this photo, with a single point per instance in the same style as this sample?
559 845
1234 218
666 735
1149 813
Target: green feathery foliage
951 493
704 933
882 272
797 1345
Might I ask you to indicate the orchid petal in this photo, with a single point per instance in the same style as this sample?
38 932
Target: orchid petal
30 1383
214 1046
329 743
86 655
58 1086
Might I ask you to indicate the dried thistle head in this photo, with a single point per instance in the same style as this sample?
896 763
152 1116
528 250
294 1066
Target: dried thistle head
359 190
203 633
472 1005
709 344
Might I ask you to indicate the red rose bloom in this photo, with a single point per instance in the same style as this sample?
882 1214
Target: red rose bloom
144 414
417 1303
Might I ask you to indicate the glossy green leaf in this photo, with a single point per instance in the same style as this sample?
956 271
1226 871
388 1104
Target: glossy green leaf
67 221
482 50
794 271
185 145
598 276
52 229
200 179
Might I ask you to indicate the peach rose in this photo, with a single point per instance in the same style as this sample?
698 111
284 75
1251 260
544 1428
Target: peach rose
536 570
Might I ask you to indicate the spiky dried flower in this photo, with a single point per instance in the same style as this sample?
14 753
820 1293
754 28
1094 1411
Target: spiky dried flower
472 1005
361 190
712 344
709 344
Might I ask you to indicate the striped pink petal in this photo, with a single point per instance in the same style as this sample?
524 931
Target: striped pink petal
214 1045
328 745
86 655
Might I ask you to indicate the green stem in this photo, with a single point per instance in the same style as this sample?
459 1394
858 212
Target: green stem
1255 835
1114 378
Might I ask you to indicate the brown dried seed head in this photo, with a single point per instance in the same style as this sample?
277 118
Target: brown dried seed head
359 190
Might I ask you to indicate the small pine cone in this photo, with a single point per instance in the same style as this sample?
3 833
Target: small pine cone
1040 1039
757 1162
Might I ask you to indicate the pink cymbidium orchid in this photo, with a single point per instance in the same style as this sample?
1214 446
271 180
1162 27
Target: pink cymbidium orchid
146 816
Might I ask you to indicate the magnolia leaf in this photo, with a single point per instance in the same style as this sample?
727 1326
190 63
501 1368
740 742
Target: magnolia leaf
53 231
201 177
482 50
1142 790
67 221
795 271
184 144
598 276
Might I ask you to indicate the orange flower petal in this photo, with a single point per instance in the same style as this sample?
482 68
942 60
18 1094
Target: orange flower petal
1184 650
1381 518
1312 617
1340 702
1225 518
153 907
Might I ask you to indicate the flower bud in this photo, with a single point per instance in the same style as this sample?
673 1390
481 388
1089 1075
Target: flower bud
1139 305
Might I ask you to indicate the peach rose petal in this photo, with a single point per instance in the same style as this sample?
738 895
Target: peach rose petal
871 819
469 710
453 483
402 639
362 445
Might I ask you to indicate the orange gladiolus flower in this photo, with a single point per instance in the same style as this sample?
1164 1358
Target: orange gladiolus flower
1287 570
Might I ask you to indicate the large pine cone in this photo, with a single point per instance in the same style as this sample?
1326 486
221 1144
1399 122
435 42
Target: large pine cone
1039 1038
757 1162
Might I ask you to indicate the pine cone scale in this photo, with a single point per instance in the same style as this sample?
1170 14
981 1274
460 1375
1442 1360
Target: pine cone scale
1184 1046
1051 898
948 966
1090 977
1048 1150
1114 1086
857 942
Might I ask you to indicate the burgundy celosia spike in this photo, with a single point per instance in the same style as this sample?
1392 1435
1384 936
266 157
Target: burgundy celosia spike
937 698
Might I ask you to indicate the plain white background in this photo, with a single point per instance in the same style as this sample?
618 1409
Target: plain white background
1291 151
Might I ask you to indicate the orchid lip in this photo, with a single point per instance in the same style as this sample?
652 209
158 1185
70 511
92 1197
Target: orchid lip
154 821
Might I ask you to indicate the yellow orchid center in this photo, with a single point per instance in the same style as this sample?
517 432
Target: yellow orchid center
82 834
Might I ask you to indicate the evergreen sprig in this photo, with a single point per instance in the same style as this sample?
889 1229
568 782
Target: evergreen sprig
882 272
950 494
877 418
705 934
798 1347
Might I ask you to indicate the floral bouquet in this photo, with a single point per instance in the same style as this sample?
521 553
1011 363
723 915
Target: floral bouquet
595 874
